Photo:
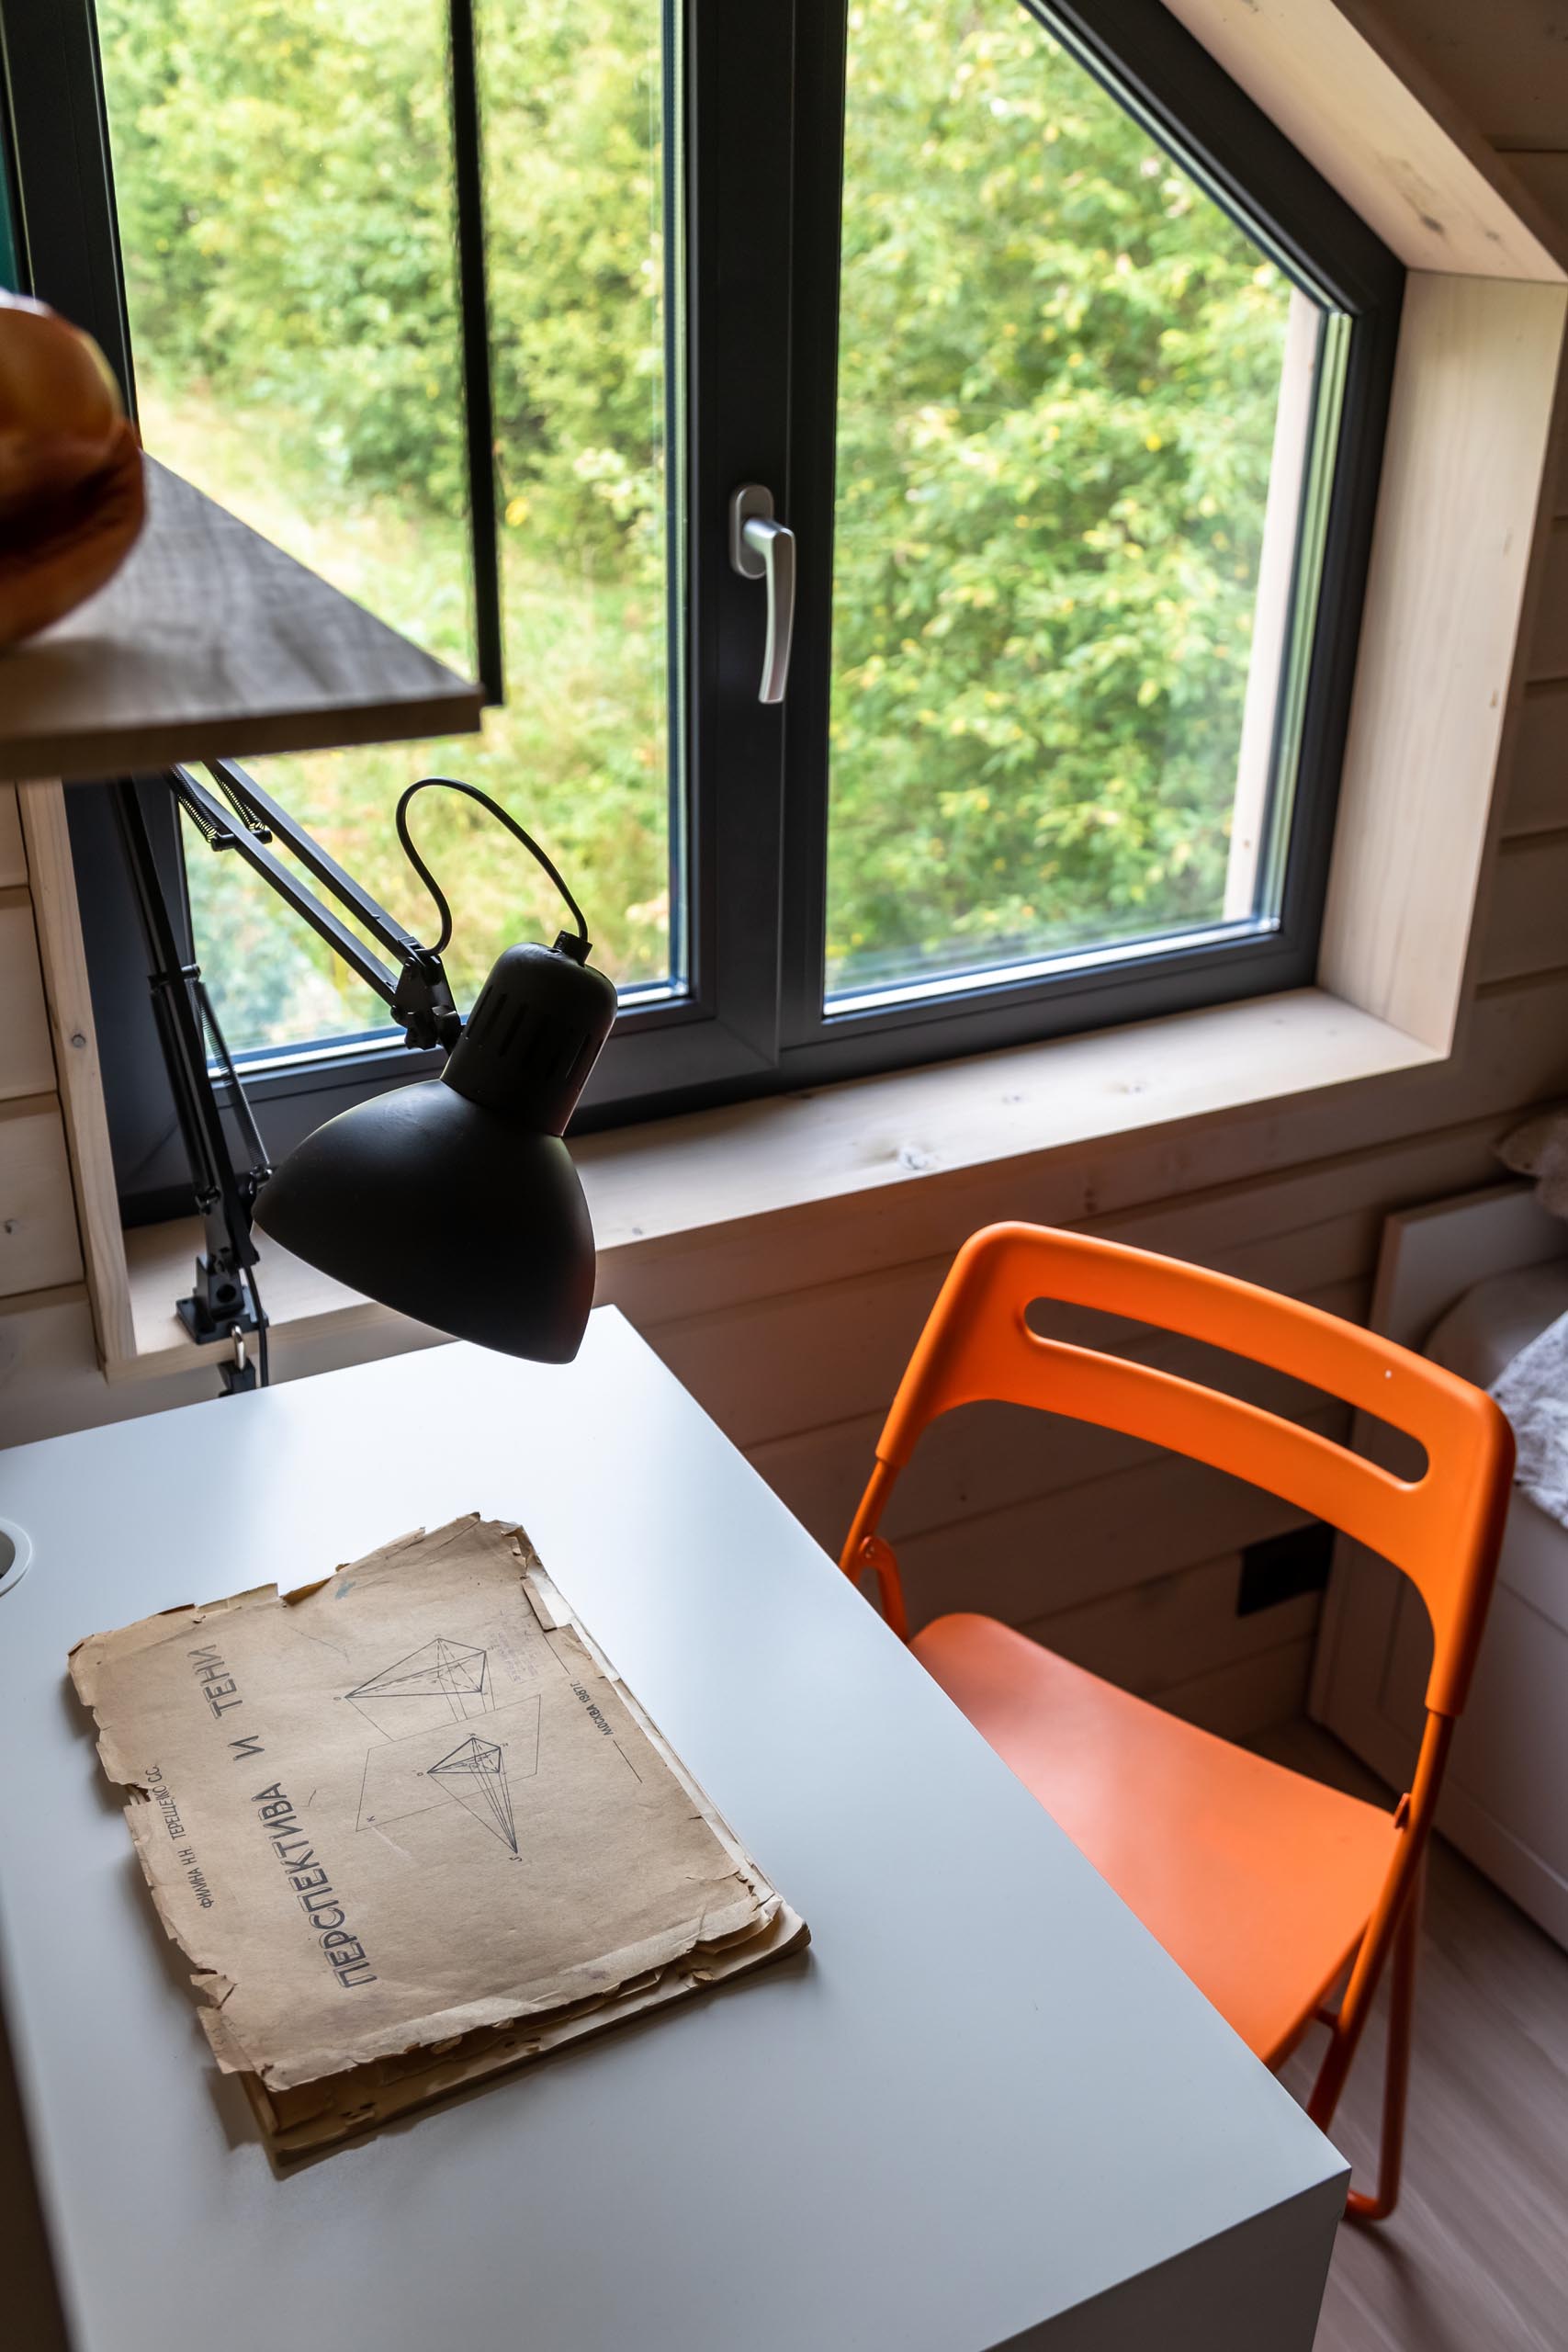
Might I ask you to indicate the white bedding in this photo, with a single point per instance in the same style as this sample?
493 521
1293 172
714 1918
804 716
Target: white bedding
1510 1334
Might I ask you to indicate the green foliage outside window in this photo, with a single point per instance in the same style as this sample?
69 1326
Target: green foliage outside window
1059 373
1059 366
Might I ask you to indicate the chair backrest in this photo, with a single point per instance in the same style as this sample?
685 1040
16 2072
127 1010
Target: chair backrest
1443 1528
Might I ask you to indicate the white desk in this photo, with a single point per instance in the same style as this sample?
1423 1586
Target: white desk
984 2109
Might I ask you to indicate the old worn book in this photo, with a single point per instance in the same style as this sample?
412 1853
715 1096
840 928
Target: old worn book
411 1829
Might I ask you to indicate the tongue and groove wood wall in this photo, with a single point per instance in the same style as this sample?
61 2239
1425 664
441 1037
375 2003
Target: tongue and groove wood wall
792 1331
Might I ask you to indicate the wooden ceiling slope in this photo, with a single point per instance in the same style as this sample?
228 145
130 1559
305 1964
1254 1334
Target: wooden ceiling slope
1343 89
1505 62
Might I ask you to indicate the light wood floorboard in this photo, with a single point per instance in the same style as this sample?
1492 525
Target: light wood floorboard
1475 2258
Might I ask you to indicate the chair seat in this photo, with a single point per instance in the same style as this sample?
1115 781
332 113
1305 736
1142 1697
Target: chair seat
1257 1881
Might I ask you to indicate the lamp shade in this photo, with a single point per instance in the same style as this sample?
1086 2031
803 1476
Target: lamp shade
456 1200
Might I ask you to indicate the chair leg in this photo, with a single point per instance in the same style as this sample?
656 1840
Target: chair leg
1396 2070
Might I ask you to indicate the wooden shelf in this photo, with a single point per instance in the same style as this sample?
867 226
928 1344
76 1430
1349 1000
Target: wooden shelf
208 640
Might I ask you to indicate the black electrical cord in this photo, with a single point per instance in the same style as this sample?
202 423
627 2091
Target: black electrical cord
238 1101
451 784
263 1369
261 1164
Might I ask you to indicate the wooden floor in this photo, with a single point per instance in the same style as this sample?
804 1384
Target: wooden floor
1475 2258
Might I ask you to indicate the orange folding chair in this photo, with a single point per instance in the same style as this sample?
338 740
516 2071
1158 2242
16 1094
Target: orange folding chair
1263 1885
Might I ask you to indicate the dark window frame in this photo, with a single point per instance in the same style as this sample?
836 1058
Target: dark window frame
749 784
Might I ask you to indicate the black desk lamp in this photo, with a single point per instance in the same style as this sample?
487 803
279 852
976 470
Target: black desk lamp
453 1200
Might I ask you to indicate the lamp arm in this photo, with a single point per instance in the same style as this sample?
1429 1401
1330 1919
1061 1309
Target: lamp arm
571 1006
418 990
240 815
225 1198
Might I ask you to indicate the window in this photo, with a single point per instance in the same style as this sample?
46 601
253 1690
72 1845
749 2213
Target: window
284 186
1067 372
1065 389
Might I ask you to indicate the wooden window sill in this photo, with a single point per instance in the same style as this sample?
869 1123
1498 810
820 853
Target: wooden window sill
913 1135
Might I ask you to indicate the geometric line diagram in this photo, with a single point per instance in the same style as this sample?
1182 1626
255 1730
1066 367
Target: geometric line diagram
445 1681
476 1775
456 1667
399 1781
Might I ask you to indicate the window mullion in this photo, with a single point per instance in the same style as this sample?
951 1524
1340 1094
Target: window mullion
741 75
819 202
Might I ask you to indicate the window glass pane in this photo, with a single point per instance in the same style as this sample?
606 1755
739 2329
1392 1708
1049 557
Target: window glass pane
283 174
1074 410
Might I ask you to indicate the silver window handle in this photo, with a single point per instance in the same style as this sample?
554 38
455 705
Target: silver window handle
760 549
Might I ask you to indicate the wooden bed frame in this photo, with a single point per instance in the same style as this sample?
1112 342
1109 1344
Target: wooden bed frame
1501 1798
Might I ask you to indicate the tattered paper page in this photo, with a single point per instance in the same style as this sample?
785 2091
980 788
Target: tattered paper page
408 1804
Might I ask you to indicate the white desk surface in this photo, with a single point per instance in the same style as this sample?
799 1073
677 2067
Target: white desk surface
985 2109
